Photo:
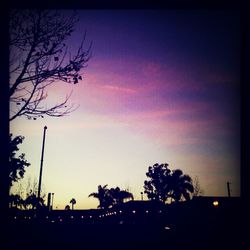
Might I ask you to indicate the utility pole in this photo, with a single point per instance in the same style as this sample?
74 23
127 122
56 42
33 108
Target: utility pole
49 201
228 189
41 167
142 196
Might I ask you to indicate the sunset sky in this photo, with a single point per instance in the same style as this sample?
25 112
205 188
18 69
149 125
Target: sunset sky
161 87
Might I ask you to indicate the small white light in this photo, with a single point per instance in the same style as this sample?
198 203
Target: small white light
52 221
15 217
147 211
216 203
90 216
167 228
61 220
82 216
72 217
160 211
114 212
47 217
120 211
134 211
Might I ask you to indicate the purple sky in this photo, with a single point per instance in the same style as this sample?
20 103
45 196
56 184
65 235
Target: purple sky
161 86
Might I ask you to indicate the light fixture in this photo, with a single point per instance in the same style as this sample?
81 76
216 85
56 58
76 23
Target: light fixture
216 203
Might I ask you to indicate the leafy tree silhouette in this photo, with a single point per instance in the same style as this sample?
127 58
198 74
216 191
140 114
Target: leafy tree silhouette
15 200
39 57
17 163
158 187
31 201
73 202
164 184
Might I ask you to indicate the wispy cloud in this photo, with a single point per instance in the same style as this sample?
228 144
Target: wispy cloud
120 89
167 102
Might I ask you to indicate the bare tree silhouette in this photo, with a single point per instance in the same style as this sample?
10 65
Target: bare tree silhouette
32 195
198 191
25 197
39 57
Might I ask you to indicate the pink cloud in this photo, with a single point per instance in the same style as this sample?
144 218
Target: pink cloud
147 97
120 89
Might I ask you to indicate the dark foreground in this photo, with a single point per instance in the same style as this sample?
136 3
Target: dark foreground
182 227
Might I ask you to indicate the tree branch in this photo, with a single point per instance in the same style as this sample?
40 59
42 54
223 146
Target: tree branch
38 39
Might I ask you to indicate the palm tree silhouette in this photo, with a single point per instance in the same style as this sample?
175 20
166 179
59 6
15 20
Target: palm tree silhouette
126 195
73 202
119 195
104 197
67 207
181 185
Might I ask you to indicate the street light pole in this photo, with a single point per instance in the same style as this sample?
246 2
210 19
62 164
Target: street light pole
228 189
142 196
41 167
52 201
